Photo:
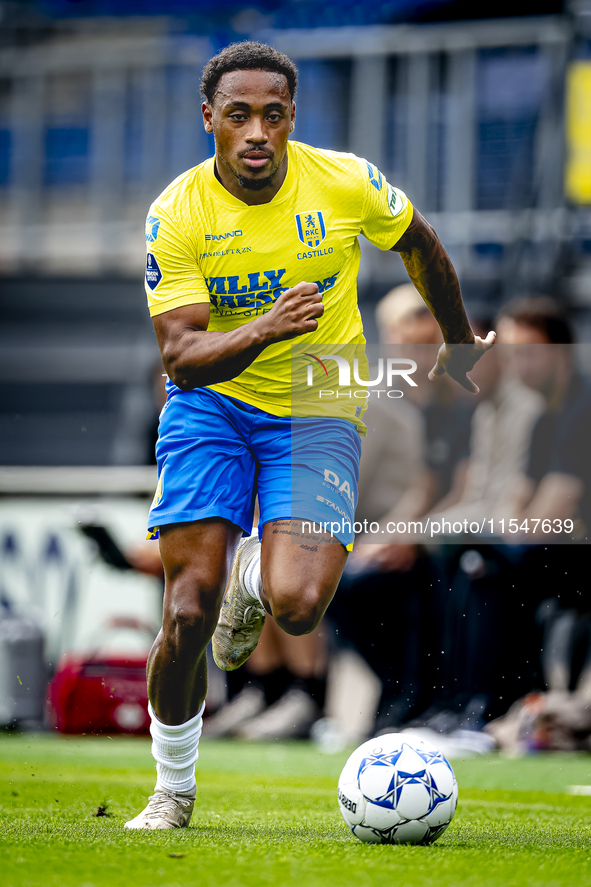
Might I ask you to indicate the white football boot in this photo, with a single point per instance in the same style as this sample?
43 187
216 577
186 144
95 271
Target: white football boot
242 616
165 810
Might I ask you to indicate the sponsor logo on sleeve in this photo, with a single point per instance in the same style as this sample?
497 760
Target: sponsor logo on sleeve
153 272
395 201
152 225
311 228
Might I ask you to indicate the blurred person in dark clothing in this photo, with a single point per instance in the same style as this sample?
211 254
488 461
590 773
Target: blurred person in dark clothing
416 448
553 574
280 691
490 594
414 445
402 318
500 435
556 486
476 623
557 482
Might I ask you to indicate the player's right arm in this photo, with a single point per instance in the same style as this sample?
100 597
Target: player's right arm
178 299
193 356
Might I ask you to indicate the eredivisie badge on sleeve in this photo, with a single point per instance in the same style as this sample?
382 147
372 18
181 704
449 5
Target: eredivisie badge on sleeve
153 272
311 228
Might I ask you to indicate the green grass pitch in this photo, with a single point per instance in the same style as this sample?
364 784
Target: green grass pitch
268 815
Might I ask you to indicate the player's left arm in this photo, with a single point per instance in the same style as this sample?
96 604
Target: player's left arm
431 271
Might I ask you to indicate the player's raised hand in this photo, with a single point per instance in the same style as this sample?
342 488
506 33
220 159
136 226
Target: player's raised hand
295 312
458 360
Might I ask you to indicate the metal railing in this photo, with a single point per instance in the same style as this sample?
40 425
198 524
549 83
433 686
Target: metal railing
146 88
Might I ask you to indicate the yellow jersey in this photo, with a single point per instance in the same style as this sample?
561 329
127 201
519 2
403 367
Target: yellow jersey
204 245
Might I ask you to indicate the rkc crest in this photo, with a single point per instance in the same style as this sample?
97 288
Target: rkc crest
311 229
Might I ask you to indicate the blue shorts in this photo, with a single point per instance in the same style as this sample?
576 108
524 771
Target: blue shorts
215 454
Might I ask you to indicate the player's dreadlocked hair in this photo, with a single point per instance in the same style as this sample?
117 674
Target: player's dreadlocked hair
247 56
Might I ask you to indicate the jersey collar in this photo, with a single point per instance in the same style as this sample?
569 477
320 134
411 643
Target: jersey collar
281 196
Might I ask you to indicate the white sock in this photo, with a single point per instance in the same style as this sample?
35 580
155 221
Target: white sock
252 577
175 750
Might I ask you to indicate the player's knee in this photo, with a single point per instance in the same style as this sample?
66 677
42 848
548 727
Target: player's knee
296 625
298 613
190 614
191 618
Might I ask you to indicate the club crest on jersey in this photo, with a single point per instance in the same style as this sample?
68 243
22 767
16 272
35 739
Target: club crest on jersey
311 228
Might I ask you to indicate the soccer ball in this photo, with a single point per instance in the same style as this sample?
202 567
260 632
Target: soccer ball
397 790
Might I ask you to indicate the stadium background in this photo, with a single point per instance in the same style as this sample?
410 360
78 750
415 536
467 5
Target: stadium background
99 110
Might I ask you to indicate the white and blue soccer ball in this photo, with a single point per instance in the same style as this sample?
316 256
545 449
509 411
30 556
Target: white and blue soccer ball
397 790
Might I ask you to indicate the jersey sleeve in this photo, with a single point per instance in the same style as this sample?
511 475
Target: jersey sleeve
173 277
386 211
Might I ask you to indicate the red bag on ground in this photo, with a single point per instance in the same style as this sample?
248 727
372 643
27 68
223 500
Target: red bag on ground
102 692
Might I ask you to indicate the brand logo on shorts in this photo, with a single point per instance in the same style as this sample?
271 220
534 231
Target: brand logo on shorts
333 480
311 228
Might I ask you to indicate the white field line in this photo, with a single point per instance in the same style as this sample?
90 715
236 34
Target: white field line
579 789
544 808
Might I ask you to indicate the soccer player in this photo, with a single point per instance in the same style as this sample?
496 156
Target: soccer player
247 251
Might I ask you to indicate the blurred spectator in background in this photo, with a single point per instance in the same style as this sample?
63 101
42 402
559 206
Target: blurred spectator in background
402 318
557 481
556 486
412 449
279 692
478 619
527 461
500 434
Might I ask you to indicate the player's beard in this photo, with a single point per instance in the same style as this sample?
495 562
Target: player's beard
251 184
255 184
